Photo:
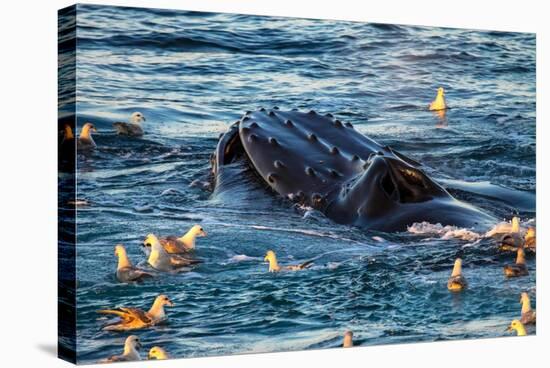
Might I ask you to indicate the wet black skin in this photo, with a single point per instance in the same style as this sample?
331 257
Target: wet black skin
324 163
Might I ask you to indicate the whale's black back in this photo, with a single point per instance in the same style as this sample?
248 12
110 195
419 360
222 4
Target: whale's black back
325 163
308 153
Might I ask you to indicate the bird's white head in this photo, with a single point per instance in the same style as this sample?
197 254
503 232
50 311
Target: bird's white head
120 250
68 131
132 343
348 339
152 241
457 268
162 300
270 256
524 300
158 353
87 129
137 118
198 230
516 325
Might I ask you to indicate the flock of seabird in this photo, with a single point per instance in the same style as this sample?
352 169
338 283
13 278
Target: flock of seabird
85 141
176 254
511 241
457 282
171 255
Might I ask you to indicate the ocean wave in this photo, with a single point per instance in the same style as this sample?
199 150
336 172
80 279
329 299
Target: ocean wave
226 42
458 56
388 27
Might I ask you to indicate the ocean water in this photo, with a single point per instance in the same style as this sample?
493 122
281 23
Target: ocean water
193 74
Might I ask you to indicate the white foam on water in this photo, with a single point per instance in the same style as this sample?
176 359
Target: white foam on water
444 232
469 245
243 258
170 191
295 341
291 230
79 202
144 208
497 324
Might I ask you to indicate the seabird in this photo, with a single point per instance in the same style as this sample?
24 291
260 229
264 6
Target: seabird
457 282
161 260
125 271
348 339
133 127
183 244
135 318
78 202
67 133
528 315
85 140
517 326
67 146
519 268
439 102
132 346
512 241
68 138
158 353
531 239
275 267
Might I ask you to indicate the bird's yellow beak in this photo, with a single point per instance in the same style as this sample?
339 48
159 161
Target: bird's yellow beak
204 233
266 259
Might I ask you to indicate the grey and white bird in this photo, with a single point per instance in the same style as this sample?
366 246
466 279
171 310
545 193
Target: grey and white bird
180 245
135 318
528 315
132 346
85 140
457 282
519 268
161 260
133 127
348 339
126 271
157 353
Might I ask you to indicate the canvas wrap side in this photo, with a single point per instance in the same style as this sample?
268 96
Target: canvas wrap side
66 280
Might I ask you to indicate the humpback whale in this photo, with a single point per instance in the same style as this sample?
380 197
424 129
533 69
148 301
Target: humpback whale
324 163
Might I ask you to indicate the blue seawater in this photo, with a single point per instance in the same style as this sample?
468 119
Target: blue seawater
192 74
